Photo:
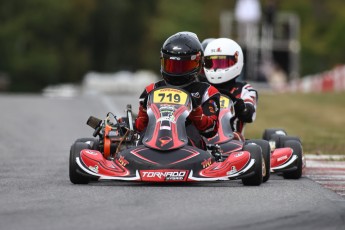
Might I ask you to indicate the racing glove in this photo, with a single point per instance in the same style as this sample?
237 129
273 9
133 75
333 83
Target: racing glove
207 125
244 111
240 106
145 102
142 119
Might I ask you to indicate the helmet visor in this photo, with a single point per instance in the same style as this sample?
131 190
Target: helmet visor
180 64
220 62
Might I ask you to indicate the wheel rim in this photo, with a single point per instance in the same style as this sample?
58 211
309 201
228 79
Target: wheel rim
263 167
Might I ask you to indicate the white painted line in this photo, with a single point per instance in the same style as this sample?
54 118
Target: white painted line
325 157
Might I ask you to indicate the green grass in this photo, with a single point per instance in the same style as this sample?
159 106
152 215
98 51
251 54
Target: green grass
318 119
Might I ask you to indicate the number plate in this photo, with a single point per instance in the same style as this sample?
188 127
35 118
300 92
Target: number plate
224 102
170 96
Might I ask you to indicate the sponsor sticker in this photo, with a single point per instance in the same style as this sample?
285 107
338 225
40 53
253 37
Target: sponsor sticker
164 175
232 171
94 169
206 163
282 158
239 154
123 161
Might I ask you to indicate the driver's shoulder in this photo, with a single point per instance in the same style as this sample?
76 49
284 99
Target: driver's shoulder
154 85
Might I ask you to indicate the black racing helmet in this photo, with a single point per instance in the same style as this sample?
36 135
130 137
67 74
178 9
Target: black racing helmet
181 58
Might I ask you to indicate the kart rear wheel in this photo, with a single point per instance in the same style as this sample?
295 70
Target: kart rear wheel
266 153
282 139
298 151
269 132
256 154
74 176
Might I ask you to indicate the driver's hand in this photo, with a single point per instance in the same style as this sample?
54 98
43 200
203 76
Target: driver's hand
240 107
145 102
195 102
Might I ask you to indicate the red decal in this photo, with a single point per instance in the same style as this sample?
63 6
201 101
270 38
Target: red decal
164 140
150 88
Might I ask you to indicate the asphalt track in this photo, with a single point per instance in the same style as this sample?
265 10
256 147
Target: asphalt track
35 192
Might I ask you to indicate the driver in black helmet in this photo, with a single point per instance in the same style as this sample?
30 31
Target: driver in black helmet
181 62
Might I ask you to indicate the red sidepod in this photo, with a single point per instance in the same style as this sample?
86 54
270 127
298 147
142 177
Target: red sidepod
95 162
280 156
234 164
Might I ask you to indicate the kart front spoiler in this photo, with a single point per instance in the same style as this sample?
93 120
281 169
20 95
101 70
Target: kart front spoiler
236 166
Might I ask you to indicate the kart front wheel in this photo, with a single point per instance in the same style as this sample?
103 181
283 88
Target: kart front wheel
256 154
266 153
74 176
298 151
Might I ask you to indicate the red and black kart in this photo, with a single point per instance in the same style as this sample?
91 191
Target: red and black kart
164 155
281 153
287 156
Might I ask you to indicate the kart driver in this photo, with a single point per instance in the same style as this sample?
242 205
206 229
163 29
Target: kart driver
223 65
181 62
204 43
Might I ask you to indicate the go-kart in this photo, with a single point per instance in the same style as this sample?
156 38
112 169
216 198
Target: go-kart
164 155
287 156
280 153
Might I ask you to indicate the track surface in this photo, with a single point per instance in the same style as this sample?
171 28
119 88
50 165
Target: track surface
35 191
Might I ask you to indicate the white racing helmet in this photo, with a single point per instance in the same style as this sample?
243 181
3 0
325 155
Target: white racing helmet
223 60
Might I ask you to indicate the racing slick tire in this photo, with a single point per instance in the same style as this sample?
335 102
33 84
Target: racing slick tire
92 142
74 176
256 154
297 150
266 153
280 141
269 132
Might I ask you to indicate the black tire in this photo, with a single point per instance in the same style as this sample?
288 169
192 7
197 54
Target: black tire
94 142
255 152
266 153
298 151
74 176
269 132
282 139
279 140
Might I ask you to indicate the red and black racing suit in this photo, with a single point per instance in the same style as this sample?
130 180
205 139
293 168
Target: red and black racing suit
245 99
202 120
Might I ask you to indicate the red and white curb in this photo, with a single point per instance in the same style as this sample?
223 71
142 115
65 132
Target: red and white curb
328 171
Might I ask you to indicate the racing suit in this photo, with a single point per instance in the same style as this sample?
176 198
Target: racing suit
245 99
203 120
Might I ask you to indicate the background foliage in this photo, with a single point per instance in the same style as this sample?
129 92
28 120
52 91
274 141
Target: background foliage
47 41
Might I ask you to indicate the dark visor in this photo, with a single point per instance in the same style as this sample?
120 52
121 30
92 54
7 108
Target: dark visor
180 65
220 62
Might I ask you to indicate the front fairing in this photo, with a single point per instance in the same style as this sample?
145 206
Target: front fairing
167 109
225 133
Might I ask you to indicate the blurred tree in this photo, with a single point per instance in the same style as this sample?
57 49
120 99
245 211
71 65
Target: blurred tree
47 41
322 33
198 16
119 34
42 41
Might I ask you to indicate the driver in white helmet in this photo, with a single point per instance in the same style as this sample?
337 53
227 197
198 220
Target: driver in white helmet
223 65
